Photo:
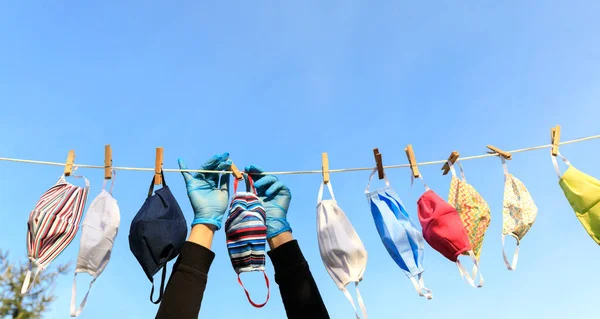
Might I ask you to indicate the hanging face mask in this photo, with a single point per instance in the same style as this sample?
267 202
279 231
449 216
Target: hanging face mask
98 234
583 193
443 230
472 209
342 251
518 213
53 224
403 241
157 234
246 233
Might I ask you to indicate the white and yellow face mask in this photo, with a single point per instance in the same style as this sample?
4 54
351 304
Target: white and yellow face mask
518 213
583 193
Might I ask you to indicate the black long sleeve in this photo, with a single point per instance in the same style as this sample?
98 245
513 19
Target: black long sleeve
186 286
185 289
299 292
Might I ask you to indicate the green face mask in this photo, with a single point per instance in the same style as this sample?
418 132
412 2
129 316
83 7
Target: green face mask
583 193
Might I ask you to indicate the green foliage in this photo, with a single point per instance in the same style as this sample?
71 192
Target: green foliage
32 305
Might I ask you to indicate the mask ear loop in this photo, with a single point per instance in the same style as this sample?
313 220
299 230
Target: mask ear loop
361 303
162 287
556 163
249 184
465 274
504 166
515 259
462 172
28 283
420 287
112 183
320 197
77 312
235 185
164 183
387 182
87 183
412 181
453 171
248 294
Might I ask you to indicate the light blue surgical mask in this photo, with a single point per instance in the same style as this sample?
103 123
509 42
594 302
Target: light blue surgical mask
403 241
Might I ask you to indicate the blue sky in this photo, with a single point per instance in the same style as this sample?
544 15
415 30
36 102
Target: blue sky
276 84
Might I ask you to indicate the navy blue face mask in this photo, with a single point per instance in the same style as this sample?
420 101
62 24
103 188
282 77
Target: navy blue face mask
157 233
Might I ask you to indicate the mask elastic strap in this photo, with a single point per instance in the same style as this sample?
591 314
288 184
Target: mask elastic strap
387 182
164 183
320 197
420 287
75 313
453 171
248 294
249 184
412 180
513 265
162 287
28 282
235 185
465 274
87 183
556 163
504 166
112 183
462 172
361 303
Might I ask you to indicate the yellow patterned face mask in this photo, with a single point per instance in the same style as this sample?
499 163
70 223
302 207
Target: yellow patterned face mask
473 210
518 213
583 193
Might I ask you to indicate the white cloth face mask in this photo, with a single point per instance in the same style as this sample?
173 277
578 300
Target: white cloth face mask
342 251
98 233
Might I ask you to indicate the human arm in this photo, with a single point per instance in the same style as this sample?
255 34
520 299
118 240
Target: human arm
185 289
297 286
299 292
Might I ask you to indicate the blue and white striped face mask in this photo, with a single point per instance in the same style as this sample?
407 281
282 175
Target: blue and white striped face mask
403 241
247 235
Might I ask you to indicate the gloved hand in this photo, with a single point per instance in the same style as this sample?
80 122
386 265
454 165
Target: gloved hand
209 201
275 198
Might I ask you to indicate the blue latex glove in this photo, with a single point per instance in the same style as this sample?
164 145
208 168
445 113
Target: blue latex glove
275 198
209 201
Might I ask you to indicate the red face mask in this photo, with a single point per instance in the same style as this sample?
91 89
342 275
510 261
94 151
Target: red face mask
444 231
442 227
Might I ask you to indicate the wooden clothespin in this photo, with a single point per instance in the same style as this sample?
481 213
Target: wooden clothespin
107 162
555 137
379 163
410 153
70 161
325 167
494 150
158 166
236 172
452 159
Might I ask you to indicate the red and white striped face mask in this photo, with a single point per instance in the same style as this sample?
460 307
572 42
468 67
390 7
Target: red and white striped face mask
53 224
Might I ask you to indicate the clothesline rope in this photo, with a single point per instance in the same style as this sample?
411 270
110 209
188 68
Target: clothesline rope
340 170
